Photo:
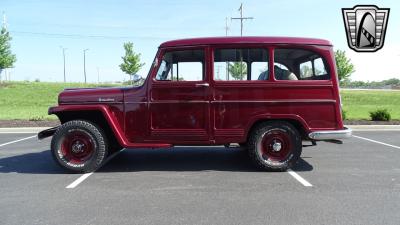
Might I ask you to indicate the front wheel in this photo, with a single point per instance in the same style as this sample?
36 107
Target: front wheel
79 146
275 146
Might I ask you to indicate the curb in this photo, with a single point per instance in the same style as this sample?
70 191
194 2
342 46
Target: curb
374 127
22 130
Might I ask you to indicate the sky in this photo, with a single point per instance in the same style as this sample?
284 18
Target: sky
40 28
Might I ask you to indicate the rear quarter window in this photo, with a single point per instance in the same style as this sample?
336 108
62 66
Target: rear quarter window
300 64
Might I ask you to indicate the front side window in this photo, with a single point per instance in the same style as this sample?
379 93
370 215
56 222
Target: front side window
240 64
184 65
300 64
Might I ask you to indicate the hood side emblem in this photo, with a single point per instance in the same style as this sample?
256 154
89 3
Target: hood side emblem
106 100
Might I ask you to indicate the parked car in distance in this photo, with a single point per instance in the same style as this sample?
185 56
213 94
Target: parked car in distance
266 93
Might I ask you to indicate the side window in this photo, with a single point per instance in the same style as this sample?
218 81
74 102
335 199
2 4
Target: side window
185 65
319 67
300 64
306 70
240 64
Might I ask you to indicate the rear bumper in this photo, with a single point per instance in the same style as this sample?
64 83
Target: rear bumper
330 134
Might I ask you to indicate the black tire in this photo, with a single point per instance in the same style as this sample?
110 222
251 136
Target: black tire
243 145
69 150
269 158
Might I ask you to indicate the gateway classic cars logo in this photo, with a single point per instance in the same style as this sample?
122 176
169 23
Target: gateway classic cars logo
365 27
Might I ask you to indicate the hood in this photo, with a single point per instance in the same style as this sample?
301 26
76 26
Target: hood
91 95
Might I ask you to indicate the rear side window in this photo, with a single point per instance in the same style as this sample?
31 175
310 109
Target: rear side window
300 64
241 64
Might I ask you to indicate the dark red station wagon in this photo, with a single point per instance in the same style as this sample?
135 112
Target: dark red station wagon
268 94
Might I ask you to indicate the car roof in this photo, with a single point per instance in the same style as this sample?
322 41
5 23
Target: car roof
244 40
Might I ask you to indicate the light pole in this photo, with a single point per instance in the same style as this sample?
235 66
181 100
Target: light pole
63 50
98 75
84 63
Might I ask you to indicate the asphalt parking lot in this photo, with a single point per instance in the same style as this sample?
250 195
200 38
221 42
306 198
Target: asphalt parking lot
357 182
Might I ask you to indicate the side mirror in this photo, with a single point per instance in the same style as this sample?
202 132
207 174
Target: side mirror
136 77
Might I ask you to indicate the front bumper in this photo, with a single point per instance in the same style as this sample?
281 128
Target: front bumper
330 134
47 133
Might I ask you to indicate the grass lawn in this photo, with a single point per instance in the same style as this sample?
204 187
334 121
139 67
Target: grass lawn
30 100
359 103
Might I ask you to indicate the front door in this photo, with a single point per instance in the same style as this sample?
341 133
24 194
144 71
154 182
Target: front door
179 99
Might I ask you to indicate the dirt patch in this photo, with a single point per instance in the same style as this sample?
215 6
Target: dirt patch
29 123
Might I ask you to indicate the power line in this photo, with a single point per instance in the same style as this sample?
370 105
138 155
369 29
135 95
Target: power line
80 36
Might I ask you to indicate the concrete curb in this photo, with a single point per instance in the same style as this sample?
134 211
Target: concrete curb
374 127
31 130
22 130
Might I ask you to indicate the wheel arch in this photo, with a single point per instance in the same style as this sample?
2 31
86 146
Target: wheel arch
99 116
294 120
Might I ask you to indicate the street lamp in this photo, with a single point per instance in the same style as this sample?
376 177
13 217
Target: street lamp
63 50
84 63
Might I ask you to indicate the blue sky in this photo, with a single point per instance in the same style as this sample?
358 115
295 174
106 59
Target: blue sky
39 28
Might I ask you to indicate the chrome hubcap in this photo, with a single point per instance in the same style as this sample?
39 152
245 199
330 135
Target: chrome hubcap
276 146
78 147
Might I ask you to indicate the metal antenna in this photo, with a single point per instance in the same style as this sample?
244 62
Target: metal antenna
241 18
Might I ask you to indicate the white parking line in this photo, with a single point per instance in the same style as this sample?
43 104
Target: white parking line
86 175
79 180
378 142
299 178
11 142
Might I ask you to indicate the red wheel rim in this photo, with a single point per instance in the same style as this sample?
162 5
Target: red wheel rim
77 147
275 145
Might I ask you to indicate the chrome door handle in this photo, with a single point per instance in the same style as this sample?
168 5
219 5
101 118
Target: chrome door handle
202 85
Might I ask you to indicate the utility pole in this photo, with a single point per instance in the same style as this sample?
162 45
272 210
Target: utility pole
226 63
63 50
226 26
241 18
84 63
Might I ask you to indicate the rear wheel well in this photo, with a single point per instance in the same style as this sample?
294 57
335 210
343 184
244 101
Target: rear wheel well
95 117
293 122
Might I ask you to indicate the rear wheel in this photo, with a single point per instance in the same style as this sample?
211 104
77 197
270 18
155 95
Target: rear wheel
275 146
79 146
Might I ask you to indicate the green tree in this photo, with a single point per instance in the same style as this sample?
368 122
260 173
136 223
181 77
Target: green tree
344 66
131 60
7 59
238 70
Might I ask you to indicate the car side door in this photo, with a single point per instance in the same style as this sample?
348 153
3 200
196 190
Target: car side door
179 97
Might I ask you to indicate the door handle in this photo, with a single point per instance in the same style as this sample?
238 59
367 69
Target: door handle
202 85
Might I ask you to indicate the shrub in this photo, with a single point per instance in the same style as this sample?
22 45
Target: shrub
344 114
380 115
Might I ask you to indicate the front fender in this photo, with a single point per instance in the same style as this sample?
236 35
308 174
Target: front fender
106 112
